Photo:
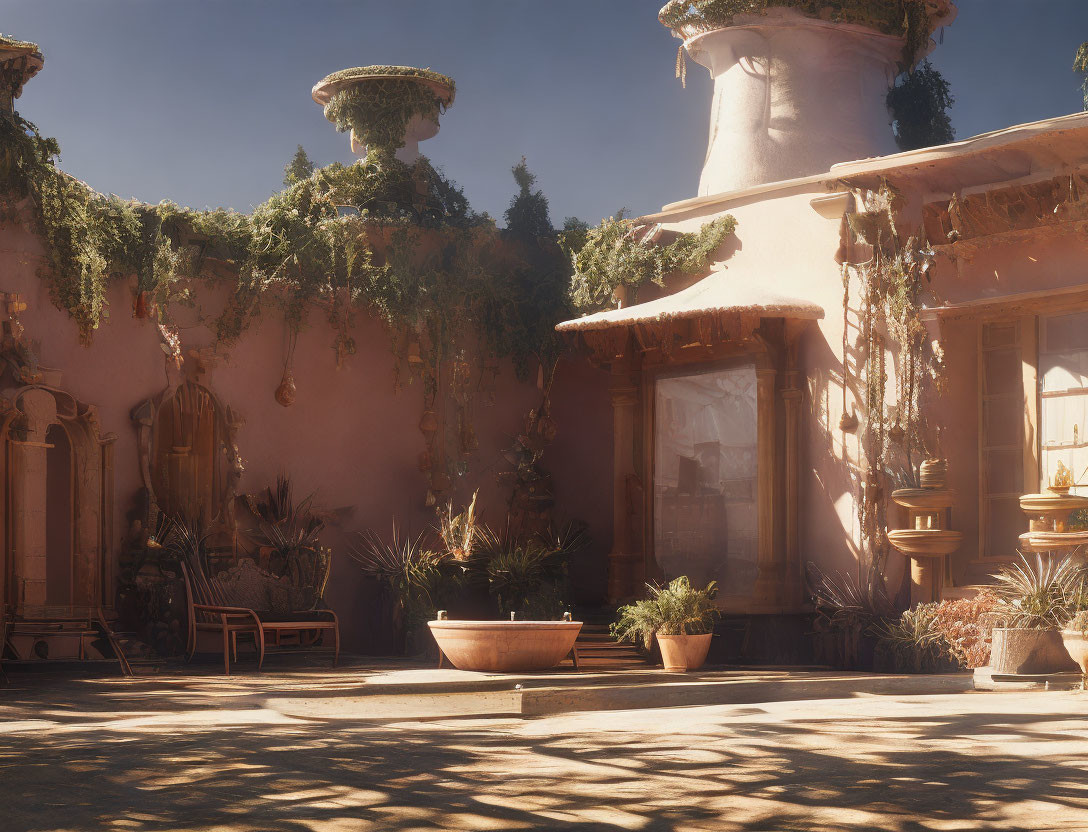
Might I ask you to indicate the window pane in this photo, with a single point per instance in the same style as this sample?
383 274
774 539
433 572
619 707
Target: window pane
999 334
1064 333
705 510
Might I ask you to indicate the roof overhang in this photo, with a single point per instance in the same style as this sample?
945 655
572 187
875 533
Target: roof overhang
720 294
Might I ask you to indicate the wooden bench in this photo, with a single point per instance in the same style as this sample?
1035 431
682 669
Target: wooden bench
216 624
210 617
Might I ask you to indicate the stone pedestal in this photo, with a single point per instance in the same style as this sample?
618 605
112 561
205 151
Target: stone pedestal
926 540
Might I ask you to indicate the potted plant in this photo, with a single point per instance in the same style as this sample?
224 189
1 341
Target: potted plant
681 617
1075 639
1034 601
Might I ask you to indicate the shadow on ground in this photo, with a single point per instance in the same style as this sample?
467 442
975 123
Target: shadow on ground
195 753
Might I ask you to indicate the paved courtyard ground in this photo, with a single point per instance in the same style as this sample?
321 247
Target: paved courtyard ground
208 753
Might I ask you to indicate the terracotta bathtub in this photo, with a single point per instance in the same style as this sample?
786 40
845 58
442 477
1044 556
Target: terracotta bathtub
505 646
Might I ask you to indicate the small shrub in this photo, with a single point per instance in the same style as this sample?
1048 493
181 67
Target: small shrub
965 625
676 609
1079 622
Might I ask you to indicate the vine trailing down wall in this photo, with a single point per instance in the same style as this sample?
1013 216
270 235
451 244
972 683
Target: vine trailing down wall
380 236
893 278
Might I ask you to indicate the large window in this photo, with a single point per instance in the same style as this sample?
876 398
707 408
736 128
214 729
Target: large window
1063 381
705 498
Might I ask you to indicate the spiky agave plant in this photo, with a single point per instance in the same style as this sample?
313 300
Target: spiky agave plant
417 576
1039 595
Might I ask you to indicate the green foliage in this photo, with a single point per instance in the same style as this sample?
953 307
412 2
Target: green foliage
300 167
672 610
913 639
1042 594
909 19
528 212
419 578
370 72
378 111
528 576
291 530
616 253
86 235
919 104
1080 64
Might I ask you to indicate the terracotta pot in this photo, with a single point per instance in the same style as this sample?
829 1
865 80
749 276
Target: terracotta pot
505 646
681 653
1019 650
1076 644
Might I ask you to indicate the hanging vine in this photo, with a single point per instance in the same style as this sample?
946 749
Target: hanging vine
893 281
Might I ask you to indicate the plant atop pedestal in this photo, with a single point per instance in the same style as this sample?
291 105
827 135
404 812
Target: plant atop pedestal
388 109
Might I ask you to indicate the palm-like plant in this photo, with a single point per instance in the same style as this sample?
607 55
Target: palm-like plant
845 603
528 575
1039 595
672 610
291 531
417 576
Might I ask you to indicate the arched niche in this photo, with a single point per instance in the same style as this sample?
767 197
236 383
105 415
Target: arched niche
56 475
189 459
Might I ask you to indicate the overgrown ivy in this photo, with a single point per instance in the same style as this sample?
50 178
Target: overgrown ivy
617 253
919 104
909 19
377 103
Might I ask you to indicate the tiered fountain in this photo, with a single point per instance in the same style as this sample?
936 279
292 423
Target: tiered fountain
927 540
1048 517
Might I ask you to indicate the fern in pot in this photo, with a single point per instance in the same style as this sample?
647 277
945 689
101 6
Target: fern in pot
681 616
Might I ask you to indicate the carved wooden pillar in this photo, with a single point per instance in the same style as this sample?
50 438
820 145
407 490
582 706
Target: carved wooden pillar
29 498
768 588
625 559
792 588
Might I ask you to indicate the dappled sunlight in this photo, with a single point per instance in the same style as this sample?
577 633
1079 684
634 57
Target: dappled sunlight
161 761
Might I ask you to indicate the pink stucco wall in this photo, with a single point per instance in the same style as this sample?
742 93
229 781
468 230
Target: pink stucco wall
349 438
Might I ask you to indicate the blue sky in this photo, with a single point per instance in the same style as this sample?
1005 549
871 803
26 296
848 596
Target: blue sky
203 101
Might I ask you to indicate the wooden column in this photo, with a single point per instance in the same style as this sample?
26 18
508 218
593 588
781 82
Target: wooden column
28 485
769 580
624 563
792 588
1029 363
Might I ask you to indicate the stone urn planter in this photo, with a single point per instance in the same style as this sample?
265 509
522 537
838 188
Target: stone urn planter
682 653
1076 644
1029 652
505 646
